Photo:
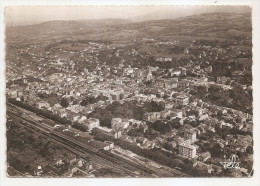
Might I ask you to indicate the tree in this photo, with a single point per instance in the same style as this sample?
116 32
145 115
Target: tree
228 82
157 106
249 150
80 127
215 150
89 100
64 102
168 146
162 127
104 116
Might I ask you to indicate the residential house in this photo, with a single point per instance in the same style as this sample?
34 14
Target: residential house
203 117
182 100
165 113
13 94
151 116
172 83
163 59
225 125
42 104
141 140
204 156
222 80
183 83
175 113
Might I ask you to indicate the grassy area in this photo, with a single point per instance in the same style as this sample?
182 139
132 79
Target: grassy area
26 150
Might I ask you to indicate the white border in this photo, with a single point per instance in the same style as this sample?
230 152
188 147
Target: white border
255 181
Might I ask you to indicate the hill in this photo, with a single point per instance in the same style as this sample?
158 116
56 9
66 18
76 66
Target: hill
203 26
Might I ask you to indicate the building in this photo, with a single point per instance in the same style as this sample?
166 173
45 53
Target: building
160 83
117 134
175 113
187 150
152 116
98 145
208 69
118 82
204 156
42 104
204 167
225 125
110 144
20 93
115 122
165 114
222 80
182 100
135 123
203 117
13 94
141 140
163 59
115 97
119 124
190 134
175 73
183 83
171 83
91 123
186 51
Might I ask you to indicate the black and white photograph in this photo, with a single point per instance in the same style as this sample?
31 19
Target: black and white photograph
129 91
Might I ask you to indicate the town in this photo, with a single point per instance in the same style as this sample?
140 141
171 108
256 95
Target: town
137 104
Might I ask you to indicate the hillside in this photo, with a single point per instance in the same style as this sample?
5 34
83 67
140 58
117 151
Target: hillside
207 26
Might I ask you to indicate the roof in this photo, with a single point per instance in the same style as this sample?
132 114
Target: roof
190 131
97 144
187 126
187 145
205 154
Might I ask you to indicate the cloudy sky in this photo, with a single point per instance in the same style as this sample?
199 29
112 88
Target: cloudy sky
25 15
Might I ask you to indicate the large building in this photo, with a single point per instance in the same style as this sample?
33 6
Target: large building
187 150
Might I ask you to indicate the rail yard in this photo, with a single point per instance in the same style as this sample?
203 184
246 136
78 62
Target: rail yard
95 155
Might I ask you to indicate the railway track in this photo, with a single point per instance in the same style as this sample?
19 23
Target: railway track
106 159
125 162
103 158
97 159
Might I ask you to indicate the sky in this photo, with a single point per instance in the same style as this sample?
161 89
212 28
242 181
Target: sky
26 15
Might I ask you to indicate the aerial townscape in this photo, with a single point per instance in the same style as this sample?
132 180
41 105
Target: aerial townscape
122 98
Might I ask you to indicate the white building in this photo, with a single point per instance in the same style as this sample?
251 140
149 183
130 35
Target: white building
92 123
119 123
187 150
